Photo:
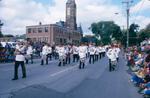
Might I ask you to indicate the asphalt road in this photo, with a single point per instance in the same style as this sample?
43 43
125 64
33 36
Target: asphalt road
51 81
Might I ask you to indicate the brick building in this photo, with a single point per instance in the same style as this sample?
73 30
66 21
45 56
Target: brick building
60 32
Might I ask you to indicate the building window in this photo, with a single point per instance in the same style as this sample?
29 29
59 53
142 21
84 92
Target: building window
34 30
29 30
61 40
46 29
65 41
39 39
40 30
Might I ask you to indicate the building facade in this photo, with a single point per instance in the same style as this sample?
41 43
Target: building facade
59 33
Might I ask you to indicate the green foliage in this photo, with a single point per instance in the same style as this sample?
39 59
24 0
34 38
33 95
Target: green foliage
144 33
106 30
133 40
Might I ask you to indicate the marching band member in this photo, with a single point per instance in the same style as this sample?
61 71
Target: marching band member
19 60
100 52
96 53
49 55
68 54
111 54
62 55
29 54
44 54
82 55
117 50
75 54
92 51
103 51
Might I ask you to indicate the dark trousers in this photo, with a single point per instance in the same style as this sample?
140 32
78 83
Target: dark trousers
111 66
49 56
81 65
68 59
75 57
118 59
96 57
62 62
100 55
27 60
17 63
91 59
103 54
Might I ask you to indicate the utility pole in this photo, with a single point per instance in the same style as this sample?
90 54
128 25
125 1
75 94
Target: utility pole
128 2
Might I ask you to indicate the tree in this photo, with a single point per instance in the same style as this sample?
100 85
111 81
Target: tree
106 30
133 34
144 33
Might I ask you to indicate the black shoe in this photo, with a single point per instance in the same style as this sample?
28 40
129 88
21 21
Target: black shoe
15 79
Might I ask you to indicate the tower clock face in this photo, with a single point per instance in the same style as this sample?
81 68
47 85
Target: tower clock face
68 11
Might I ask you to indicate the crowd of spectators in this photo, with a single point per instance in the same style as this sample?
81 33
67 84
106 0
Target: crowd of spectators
6 53
138 61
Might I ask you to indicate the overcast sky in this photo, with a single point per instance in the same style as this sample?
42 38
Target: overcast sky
17 14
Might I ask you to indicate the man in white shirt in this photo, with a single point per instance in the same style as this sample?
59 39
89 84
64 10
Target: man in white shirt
29 54
49 55
100 52
68 50
92 51
82 55
44 54
19 60
96 53
75 54
117 50
103 51
62 55
111 54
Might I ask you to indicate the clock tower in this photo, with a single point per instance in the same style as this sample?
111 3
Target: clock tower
71 15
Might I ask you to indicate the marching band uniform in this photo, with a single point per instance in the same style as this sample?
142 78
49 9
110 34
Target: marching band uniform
75 54
117 50
96 54
29 54
103 51
82 55
49 55
62 55
44 55
68 50
112 58
19 60
100 52
92 51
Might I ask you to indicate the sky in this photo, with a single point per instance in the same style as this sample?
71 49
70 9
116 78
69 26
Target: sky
17 14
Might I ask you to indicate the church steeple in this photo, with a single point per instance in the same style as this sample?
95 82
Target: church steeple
71 15
71 1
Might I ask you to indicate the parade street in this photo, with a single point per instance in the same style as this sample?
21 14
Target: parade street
51 81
